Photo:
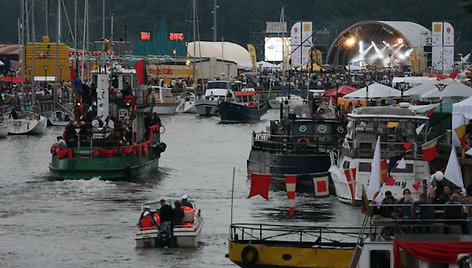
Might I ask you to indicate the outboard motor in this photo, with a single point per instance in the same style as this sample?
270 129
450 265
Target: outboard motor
164 238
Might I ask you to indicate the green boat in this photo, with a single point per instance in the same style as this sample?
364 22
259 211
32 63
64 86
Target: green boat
129 151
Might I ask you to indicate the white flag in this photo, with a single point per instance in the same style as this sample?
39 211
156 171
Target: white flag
418 129
469 152
402 164
453 170
374 181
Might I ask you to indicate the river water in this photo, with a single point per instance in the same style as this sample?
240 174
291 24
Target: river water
92 223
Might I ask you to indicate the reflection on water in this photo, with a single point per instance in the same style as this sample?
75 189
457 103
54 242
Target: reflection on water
91 223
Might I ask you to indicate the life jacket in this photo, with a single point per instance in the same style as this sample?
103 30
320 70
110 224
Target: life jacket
188 214
188 225
157 219
146 223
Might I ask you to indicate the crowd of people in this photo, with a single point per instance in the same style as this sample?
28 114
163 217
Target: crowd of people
448 207
167 217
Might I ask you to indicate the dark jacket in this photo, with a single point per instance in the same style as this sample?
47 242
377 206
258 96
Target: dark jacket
166 213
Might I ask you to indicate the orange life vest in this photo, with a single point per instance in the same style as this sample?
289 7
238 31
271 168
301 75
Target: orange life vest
188 214
157 218
146 223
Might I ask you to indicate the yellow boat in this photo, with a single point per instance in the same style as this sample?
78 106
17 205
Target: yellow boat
265 245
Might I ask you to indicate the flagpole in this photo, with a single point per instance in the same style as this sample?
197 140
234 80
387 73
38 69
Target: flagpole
232 195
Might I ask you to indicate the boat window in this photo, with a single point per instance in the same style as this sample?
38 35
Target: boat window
114 82
365 167
408 169
379 258
346 165
127 79
214 85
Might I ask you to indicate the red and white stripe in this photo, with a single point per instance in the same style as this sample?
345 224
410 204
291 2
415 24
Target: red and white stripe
291 184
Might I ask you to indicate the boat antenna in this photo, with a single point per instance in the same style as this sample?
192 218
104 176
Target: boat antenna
232 195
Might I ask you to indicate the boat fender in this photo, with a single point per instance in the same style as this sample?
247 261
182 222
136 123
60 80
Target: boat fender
249 250
161 147
250 104
302 143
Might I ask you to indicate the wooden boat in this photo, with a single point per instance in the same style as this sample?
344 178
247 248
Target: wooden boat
96 154
185 236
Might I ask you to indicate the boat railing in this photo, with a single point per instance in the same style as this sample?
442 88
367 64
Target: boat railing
422 218
292 144
291 233
360 149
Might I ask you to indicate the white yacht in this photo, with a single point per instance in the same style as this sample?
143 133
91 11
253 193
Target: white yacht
25 121
395 126
290 100
217 91
165 101
187 103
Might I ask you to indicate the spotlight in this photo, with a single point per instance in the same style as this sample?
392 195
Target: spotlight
351 41
400 40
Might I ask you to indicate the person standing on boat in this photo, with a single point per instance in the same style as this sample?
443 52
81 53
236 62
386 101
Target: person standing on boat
185 202
178 214
166 214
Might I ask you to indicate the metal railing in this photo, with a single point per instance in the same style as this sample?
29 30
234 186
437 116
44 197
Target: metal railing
288 144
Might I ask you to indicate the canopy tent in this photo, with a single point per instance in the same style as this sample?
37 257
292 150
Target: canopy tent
454 90
413 81
461 113
415 92
341 91
14 79
374 91
441 117
220 50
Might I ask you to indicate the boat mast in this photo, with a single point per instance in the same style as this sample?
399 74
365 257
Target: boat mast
22 41
47 17
33 39
58 40
83 39
194 11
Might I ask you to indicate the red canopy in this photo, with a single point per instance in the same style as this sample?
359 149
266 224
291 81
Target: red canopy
342 90
13 79
438 76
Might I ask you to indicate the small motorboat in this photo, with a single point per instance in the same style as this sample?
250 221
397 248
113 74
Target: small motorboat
244 108
217 91
3 128
185 235
25 121
164 100
187 103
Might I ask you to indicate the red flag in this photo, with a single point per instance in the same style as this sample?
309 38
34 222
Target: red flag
139 66
454 74
417 186
320 186
430 150
351 180
72 74
291 183
408 145
390 181
383 171
430 112
260 185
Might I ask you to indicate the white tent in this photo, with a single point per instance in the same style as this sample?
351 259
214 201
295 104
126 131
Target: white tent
221 50
461 112
429 86
413 81
375 91
454 90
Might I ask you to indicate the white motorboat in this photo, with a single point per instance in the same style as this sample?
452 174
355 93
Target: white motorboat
59 118
3 130
164 100
290 100
25 121
185 235
395 126
217 91
187 103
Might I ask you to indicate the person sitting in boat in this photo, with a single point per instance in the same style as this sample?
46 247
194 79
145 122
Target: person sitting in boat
387 211
166 213
185 202
97 124
61 143
423 211
70 134
109 125
146 221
